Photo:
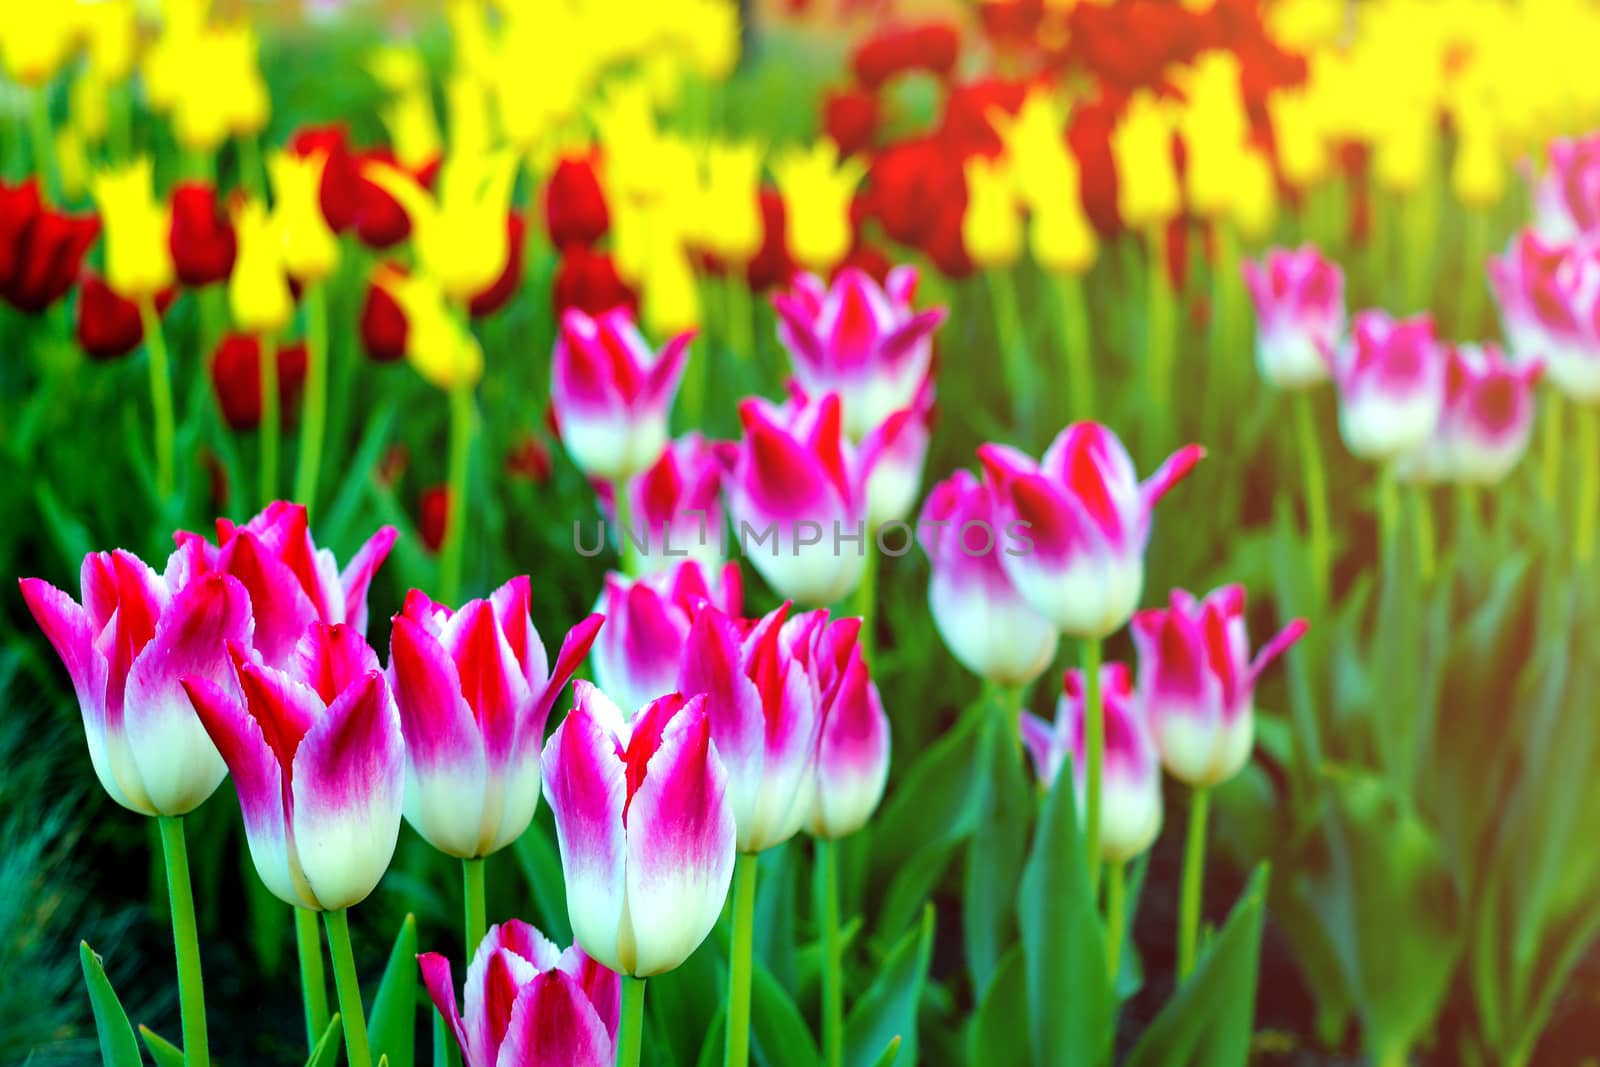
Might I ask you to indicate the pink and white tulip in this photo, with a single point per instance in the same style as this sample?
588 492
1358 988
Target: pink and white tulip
1197 682
127 648
636 655
474 690
645 828
1391 385
761 701
1549 298
318 760
797 484
1566 198
292 583
1300 316
528 1003
1130 783
897 477
1087 517
853 742
1486 423
612 394
984 621
860 340
675 506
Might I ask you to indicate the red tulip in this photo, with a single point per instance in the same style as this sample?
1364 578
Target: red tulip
341 177
589 282
41 250
851 118
383 323
529 460
433 511
236 377
575 210
110 327
771 265
1010 22
932 47
201 237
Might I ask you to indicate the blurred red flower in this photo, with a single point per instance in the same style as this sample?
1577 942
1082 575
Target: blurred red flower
41 250
236 377
851 118
575 210
589 281
504 288
108 326
201 238
383 323
433 509
932 47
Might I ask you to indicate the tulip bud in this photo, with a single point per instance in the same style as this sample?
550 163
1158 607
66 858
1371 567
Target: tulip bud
1197 682
853 740
612 393
338 194
1130 784
1486 421
574 203
761 701
647 625
1086 522
321 800
1549 298
528 1002
383 323
310 247
111 35
1298 138
292 583
1391 385
127 648
41 251
1299 301
644 884
258 288
201 239
851 117
236 377
860 340
138 259
984 621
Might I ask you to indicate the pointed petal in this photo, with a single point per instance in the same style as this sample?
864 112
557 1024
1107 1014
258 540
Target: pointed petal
441 986
554 1023
358 573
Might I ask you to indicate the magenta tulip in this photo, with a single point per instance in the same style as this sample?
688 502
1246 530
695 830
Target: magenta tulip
1299 300
853 740
1391 385
1566 199
675 506
1486 423
1549 298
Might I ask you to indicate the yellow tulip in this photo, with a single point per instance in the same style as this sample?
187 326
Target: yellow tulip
710 36
111 32
87 112
991 227
1035 146
1147 176
138 261
1060 237
671 298
37 39
467 105
459 234
413 128
1404 150
438 343
1478 175
625 123
72 159
817 187
470 38
397 68
258 289
310 248
1255 195
1302 149
531 109
238 58
729 223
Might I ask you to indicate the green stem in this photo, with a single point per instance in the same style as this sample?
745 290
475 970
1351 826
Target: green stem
1394 1057
1159 326
1095 742
1466 517
1194 863
42 133
349 987
477 911
1425 535
1014 358
630 1034
1227 288
1316 490
866 599
744 918
155 344
627 547
832 953
313 982
1476 245
741 315
314 416
1116 919
252 175
1075 343
1588 481
1389 520
462 427
119 128
269 428
1550 467
186 942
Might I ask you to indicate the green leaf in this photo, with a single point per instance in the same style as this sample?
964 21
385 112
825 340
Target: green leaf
1069 993
891 1052
996 850
1208 1021
999 1032
164 1052
713 1048
393 1029
118 1047
935 802
888 1009
326 1054
777 1029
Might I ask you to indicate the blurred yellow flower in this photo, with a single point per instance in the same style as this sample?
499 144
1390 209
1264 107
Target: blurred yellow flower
397 68
709 36
138 260
1302 149
467 108
258 289
1255 195
413 128
111 35
1060 237
310 248
1478 175
72 159
817 187
1034 141
671 298
209 79
438 343
729 223
87 112
37 39
459 235
991 227
1147 175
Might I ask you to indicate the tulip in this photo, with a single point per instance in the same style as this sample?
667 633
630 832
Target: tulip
383 323
850 118
671 291
126 648
460 233
1478 175
1254 205
236 379
795 479
41 251
860 340
201 240
612 394
292 583
110 327
853 738
1566 198
1299 301
138 258
589 282
38 41
817 186
771 265
258 288
438 344
1147 179
1486 421
574 203
642 892
1391 377
110 35
1300 142
1088 522
1130 810
638 651
674 508
991 228
896 479
310 247
338 193
730 225
528 1002
1549 298
322 798
474 690
932 47
984 621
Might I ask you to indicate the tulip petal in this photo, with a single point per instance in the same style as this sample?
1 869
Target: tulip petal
713 665
553 1023
280 605
441 986
494 979
357 576
600 984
